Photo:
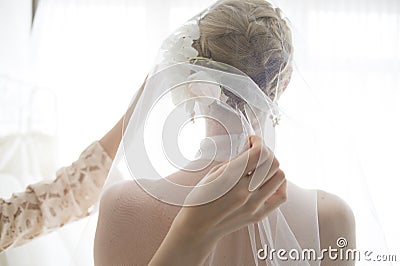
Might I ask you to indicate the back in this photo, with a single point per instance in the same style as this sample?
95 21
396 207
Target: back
132 225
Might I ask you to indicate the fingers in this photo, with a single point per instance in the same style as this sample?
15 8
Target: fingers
263 173
248 160
270 189
261 163
256 205
258 162
279 197
267 198
268 170
213 174
252 213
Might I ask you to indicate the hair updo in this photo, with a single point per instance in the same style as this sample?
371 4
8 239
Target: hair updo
252 36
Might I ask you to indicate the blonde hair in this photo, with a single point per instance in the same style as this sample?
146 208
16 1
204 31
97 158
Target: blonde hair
252 36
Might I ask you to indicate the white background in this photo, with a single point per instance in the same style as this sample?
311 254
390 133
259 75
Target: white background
89 57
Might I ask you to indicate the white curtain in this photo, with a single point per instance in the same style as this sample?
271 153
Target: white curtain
93 55
349 55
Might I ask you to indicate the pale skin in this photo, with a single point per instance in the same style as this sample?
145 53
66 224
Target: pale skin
200 228
203 226
113 137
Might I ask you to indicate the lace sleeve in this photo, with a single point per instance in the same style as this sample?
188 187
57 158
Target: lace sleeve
47 205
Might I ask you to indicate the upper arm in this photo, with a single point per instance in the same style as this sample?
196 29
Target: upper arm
336 222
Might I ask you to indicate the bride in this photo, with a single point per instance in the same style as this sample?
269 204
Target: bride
241 51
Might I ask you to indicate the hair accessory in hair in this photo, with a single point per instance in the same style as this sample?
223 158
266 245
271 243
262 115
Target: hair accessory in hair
179 46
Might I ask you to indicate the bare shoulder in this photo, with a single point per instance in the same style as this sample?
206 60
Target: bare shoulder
130 226
335 216
127 203
124 196
336 220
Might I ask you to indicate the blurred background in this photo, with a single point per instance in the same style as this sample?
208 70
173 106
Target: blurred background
68 70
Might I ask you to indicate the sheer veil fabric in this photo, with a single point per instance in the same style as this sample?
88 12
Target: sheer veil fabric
186 96
183 95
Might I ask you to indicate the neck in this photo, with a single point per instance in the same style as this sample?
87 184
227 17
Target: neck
222 122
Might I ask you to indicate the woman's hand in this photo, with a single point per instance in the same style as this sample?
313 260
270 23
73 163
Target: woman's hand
239 207
197 229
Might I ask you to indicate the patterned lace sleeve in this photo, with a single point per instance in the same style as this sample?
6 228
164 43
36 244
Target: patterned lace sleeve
50 204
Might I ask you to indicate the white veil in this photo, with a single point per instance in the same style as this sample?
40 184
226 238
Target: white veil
167 130
180 94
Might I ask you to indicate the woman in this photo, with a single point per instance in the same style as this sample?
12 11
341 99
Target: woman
137 228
